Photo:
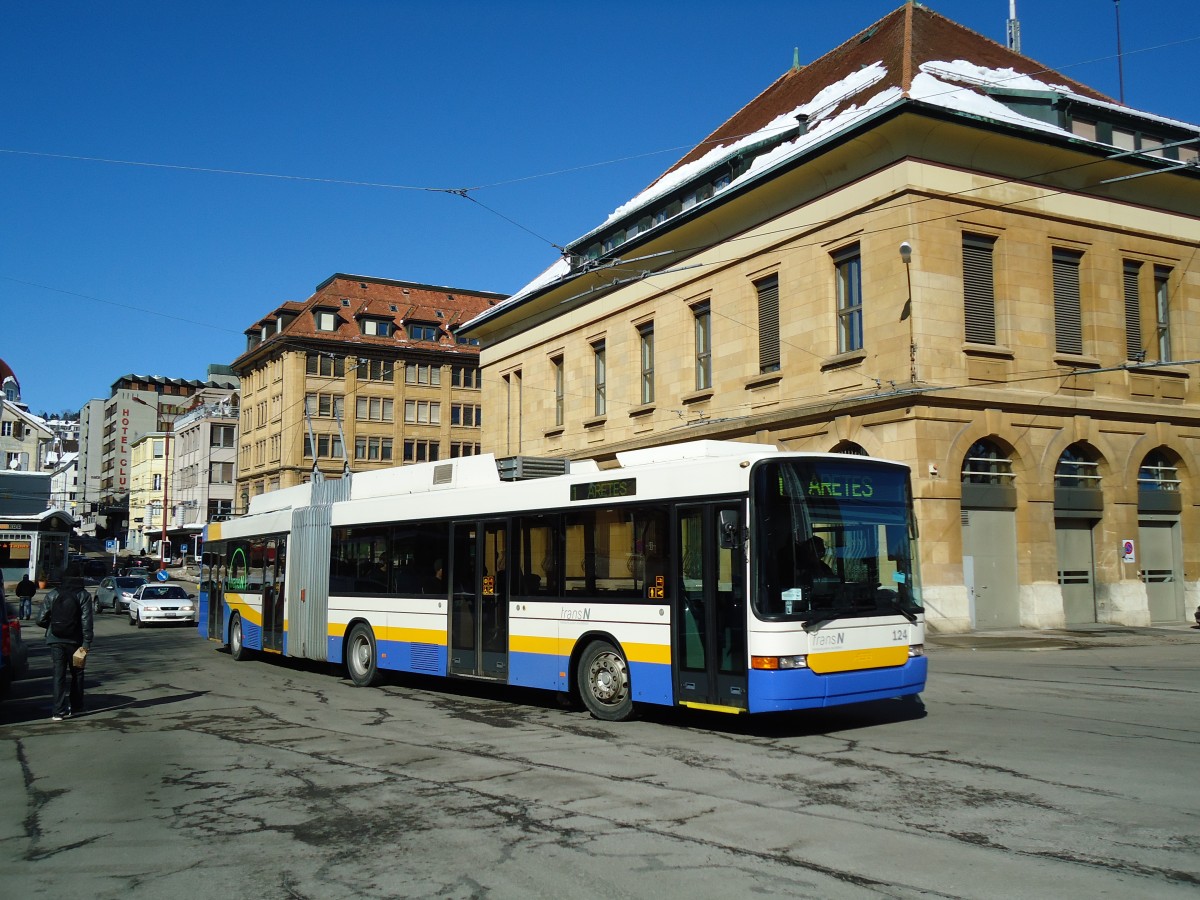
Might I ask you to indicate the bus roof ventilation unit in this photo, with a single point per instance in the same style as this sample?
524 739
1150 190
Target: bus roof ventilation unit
522 468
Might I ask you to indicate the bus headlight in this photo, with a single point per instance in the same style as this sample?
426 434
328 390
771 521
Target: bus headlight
773 663
916 650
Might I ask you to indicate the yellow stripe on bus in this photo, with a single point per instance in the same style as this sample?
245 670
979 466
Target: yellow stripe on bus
850 660
409 635
243 609
551 646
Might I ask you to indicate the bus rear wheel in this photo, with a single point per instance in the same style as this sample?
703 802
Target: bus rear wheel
603 681
237 641
360 656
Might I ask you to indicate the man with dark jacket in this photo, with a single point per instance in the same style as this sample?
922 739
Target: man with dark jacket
67 617
25 591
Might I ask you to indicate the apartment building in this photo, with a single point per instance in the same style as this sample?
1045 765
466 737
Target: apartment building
381 371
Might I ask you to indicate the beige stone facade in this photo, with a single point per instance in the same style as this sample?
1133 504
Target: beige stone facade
1105 374
381 371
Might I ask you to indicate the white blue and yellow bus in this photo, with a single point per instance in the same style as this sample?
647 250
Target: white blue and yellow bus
717 575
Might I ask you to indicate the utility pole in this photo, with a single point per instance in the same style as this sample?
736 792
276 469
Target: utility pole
1014 28
1120 60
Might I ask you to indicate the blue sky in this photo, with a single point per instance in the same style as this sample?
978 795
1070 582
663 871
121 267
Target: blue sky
556 112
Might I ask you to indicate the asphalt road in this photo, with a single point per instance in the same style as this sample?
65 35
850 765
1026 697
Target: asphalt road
1063 773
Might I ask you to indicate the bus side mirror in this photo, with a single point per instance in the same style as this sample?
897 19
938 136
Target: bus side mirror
727 521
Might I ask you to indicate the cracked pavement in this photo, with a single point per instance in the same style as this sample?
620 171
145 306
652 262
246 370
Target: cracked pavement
1066 773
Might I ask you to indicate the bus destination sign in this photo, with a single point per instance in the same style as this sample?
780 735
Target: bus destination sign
604 490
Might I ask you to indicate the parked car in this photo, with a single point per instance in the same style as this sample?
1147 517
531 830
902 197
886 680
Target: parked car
161 603
137 572
115 591
94 570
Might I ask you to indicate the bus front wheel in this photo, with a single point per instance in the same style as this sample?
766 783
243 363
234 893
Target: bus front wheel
360 656
603 681
237 641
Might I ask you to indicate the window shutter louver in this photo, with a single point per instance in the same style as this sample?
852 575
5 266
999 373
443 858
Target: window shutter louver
979 293
1133 312
1068 324
768 324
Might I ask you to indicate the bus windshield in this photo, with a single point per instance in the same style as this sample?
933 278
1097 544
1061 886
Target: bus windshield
833 538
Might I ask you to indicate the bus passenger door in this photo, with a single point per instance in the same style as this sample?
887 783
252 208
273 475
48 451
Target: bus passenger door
273 597
710 616
479 604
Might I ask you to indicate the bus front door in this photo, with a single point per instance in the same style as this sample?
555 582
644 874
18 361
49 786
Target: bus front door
710 620
479 605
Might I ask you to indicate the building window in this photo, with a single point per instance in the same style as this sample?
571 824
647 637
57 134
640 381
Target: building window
985 463
1068 324
768 324
373 449
376 327
222 436
461 376
422 412
373 409
463 448
1158 473
326 366
646 352
556 363
421 332
979 288
601 374
221 472
703 327
328 446
422 374
326 320
157 486
379 369
1133 312
1077 469
420 451
324 406
468 415
6 429
848 264
1162 308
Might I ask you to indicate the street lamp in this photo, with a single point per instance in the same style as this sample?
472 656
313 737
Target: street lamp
906 258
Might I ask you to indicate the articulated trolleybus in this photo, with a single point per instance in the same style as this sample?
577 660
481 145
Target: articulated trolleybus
717 575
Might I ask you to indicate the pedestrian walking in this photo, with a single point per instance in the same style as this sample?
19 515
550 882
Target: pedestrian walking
67 617
25 591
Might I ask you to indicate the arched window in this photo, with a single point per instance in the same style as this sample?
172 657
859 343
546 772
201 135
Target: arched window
849 448
1158 473
986 463
1077 468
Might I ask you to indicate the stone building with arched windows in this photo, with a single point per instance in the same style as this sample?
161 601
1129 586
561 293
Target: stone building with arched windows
921 246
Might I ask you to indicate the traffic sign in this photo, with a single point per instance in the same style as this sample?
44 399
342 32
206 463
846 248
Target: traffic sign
110 546
182 549
162 575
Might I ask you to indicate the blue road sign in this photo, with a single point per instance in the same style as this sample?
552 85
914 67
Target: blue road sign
162 575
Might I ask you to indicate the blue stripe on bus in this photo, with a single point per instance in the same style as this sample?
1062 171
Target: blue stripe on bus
538 670
774 691
652 683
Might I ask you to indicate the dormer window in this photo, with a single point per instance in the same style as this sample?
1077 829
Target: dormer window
420 331
326 320
377 327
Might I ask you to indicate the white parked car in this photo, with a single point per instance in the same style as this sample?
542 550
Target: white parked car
161 603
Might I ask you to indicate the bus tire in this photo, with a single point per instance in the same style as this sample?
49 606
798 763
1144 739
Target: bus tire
237 640
603 682
361 660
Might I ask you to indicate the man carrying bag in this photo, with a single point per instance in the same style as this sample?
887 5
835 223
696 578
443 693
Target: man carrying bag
67 617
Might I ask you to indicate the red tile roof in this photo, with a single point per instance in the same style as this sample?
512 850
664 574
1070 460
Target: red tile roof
902 41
